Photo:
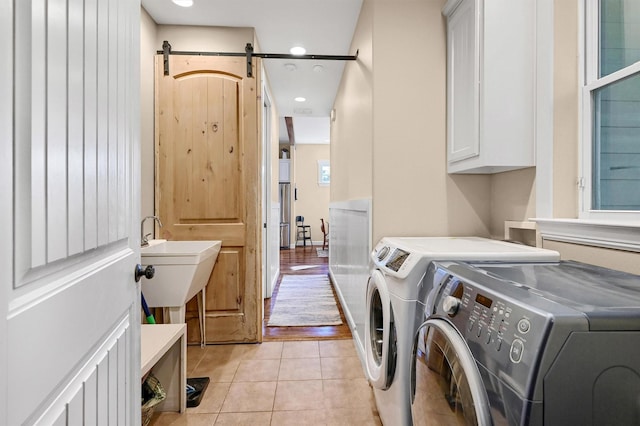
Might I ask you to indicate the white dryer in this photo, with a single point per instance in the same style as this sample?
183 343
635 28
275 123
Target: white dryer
399 266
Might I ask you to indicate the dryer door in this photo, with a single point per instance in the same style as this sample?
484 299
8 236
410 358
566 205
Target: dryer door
380 333
446 387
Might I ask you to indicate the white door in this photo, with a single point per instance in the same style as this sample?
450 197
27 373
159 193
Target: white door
69 209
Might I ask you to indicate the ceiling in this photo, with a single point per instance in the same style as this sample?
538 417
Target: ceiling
323 27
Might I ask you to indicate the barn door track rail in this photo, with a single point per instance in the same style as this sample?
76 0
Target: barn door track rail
249 54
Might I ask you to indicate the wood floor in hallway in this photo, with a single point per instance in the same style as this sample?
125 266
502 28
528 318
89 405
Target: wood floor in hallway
290 259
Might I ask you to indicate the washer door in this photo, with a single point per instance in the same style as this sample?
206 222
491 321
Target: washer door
380 333
446 387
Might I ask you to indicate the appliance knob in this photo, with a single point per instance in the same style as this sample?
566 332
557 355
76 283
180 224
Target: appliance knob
383 252
450 305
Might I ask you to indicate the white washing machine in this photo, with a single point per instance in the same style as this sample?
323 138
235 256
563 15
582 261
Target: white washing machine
399 266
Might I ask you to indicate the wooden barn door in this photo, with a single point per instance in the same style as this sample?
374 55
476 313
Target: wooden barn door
208 183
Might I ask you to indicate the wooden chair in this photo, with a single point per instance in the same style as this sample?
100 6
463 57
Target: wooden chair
324 227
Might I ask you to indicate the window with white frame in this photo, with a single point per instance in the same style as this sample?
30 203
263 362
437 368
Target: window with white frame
324 173
611 110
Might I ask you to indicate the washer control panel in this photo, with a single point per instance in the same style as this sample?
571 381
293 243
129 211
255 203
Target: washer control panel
394 259
397 259
502 333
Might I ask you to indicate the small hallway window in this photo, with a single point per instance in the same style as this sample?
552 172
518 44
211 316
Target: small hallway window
324 173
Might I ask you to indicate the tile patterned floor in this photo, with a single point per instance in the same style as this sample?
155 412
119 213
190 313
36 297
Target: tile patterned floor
278 383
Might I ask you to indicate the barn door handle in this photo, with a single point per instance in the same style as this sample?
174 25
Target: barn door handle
147 272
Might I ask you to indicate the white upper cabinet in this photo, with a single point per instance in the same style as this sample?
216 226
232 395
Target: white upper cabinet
284 171
490 85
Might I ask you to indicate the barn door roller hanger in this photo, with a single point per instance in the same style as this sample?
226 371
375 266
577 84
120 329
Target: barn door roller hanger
249 54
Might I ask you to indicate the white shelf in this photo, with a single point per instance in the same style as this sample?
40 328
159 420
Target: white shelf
164 349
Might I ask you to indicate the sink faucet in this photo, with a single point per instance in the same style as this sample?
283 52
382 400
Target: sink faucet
144 238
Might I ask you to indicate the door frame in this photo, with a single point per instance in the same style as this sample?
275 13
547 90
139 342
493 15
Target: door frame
6 190
267 233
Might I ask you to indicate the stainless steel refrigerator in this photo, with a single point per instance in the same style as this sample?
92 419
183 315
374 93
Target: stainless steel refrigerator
285 214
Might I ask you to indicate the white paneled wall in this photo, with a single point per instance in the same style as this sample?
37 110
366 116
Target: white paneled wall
349 250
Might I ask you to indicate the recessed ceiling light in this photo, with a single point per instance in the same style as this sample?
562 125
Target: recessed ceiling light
318 68
298 50
290 67
183 3
300 99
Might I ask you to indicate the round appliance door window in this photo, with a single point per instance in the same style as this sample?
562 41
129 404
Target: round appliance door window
446 387
380 336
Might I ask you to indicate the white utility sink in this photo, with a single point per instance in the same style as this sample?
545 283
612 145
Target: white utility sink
182 270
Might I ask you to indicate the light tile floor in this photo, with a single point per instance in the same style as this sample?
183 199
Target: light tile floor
278 383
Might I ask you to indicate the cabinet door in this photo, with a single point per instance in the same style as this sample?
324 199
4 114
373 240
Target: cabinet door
284 171
462 82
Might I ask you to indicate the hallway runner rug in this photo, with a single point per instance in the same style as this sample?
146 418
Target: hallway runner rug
304 300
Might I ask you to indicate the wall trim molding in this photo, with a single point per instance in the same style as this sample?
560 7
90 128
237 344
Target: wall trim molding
613 235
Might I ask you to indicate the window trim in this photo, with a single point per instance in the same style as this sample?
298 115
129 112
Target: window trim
618 232
613 235
589 60
321 165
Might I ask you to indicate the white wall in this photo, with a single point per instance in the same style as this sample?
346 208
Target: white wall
513 197
148 47
608 258
565 108
352 178
388 144
389 136
352 128
412 192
